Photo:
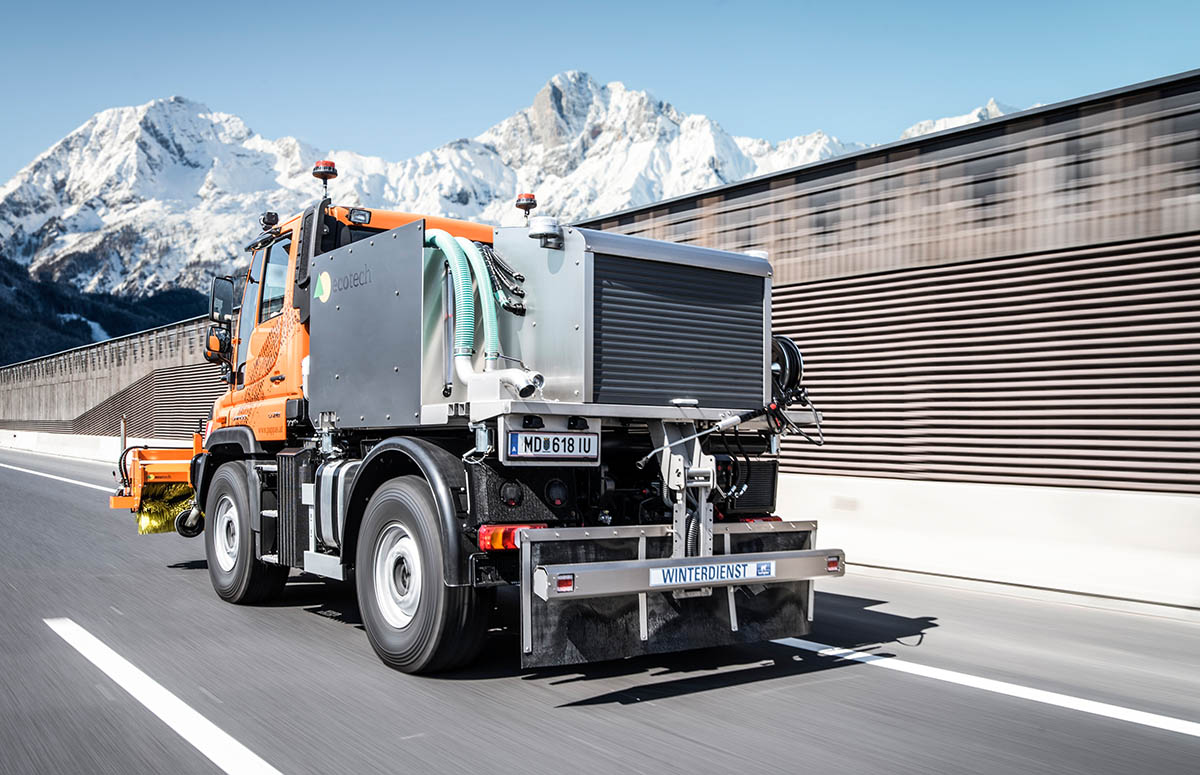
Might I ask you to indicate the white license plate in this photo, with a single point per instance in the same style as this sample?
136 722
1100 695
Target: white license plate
533 445
711 573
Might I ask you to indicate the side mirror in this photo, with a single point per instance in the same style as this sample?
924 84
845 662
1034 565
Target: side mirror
217 345
220 302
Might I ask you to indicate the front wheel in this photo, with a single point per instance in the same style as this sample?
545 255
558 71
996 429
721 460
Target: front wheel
414 621
237 575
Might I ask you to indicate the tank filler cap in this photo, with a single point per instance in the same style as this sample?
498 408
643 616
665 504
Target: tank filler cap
547 229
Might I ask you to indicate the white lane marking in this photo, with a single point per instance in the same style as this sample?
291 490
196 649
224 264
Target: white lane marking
1168 723
225 752
63 458
60 478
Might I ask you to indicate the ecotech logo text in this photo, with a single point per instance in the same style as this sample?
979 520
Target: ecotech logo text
326 285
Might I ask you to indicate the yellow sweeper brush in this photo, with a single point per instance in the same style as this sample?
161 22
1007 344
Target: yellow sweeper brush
161 503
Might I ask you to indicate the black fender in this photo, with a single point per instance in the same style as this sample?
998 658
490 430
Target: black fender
447 478
199 474
226 442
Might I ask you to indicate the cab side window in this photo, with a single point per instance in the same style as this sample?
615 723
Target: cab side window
274 280
247 313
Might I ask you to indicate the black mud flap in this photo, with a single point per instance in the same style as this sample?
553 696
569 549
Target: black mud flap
563 632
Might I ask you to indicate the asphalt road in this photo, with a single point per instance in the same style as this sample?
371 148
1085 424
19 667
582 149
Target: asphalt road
297 684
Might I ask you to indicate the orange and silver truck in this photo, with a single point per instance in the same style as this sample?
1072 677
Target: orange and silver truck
436 409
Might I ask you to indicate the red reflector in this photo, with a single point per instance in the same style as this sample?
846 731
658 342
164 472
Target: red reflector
499 537
761 519
833 564
565 582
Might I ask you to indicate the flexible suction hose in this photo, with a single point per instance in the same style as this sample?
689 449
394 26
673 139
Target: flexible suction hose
487 303
524 382
464 304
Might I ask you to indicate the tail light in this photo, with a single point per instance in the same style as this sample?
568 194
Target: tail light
833 563
761 519
498 537
565 582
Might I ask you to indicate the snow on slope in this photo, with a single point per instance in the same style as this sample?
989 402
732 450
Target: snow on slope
163 195
992 109
97 330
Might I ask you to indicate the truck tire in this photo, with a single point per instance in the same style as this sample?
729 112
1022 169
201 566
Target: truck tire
415 622
237 575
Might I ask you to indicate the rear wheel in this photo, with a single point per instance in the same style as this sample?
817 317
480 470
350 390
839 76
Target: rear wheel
414 621
237 575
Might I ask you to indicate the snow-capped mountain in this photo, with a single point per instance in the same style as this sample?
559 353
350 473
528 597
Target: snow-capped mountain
163 195
992 109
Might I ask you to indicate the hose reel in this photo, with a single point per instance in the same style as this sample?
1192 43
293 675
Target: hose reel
787 369
787 382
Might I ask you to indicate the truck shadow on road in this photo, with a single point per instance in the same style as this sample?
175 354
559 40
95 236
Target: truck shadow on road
850 622
190 565
842 620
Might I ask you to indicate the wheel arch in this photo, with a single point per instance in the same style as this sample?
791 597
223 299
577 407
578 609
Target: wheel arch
232 441
447 479
222 446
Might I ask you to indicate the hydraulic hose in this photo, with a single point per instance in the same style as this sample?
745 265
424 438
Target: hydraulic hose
464 303
487 303
524 382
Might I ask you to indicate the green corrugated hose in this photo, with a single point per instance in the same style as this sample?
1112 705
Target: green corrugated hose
487 303
464 301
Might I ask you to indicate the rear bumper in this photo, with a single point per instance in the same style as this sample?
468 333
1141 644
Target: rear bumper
603 579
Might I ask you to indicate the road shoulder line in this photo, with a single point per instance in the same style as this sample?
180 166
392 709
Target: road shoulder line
102 488
1093 707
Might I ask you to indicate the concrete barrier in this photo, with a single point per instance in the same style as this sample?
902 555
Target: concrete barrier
1119 544
100 449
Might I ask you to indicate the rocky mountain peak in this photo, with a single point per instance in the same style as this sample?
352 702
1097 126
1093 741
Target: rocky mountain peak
162 195
991 109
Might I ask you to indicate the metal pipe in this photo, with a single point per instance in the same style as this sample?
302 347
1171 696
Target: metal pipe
448 331
724 424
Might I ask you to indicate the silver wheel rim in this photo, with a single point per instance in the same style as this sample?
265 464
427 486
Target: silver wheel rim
225 533
397 575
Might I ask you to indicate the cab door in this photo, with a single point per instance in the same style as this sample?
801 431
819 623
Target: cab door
265 380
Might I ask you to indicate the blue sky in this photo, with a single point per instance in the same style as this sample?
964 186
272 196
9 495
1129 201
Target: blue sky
397 79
